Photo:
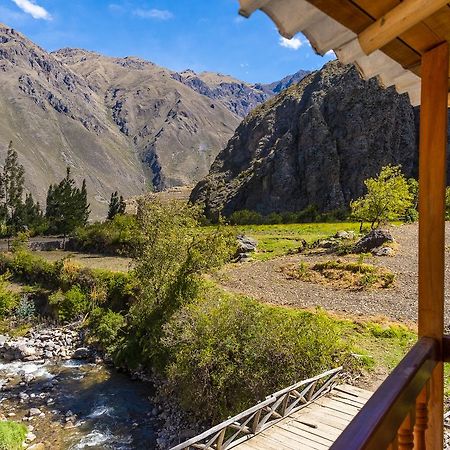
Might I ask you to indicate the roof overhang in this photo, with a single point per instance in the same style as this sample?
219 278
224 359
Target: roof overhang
383 38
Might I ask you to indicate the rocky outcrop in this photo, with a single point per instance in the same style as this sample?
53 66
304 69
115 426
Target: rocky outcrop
314 144
239 97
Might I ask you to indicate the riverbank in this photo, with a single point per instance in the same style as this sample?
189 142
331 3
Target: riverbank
71 399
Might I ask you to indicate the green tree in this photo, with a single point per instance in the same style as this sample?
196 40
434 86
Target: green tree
173 252
67 206
11 190
388 197
116 205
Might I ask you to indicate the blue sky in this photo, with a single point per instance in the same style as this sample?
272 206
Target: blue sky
178 34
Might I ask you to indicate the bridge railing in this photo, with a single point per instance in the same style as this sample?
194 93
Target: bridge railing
252 421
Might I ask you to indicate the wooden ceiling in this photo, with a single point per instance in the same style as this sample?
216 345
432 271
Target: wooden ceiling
409 46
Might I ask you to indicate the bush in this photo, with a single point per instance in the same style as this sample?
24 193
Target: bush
8 299
69 305
114 237
25 309
12 435
246 217
105 329
229 352
101 287
174 253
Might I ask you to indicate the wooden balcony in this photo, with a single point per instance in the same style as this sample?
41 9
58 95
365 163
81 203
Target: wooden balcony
396 416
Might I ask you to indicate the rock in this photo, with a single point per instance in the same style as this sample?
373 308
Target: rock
345 235
374 239
30 436
34 412
246 244
81 353
383 251
313 144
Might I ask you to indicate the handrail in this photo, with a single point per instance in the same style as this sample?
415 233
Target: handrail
264 414
376 425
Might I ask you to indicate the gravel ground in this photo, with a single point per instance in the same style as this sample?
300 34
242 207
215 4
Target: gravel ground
265 281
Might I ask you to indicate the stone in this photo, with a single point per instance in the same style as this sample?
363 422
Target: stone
246 244
81 353
30 436
383 251
345 235
374 239
34 412
313 144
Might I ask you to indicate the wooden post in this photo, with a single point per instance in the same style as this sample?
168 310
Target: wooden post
432 168
421 420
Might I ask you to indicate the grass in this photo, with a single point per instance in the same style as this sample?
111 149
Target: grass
278 240
12 435
343 274
91 261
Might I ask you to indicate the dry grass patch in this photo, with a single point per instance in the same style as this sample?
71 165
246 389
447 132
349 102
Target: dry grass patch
342 274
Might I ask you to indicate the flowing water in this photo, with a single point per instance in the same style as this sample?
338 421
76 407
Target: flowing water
86 406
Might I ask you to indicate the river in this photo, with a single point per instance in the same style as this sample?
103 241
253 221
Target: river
82 405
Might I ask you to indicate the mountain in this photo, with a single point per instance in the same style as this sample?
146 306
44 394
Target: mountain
315 143
239 97
56 120
175 131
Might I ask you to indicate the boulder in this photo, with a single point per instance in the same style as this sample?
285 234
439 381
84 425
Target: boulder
383 251
246 244
374 239
81 353
345 235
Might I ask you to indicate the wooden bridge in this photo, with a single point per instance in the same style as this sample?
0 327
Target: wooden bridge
310 414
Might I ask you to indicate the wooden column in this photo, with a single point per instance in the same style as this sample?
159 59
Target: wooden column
432 168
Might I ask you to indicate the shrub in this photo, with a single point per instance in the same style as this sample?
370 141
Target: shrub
229 352
26 309
69 305
8 299
246 217
115 237
12 435
105 329
173 254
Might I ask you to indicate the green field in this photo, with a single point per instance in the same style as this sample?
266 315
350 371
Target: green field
278 240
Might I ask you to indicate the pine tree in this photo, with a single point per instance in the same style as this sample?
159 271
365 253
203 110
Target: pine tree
11 190
122 205
117 205
67 206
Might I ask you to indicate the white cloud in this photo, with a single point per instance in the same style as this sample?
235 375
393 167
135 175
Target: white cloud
30 7
330 53
294 43
159 14
114 7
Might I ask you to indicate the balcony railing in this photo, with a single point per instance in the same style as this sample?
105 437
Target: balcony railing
396 416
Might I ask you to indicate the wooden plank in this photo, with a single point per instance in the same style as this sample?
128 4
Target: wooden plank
315 434
323 430
347 401
358 401
397 21
432 182
297 436
354 390
338 406
330 420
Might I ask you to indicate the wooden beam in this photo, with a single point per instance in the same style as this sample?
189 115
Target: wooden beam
398 20
432 174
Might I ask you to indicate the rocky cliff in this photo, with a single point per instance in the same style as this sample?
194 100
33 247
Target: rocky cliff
315 143
239 97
